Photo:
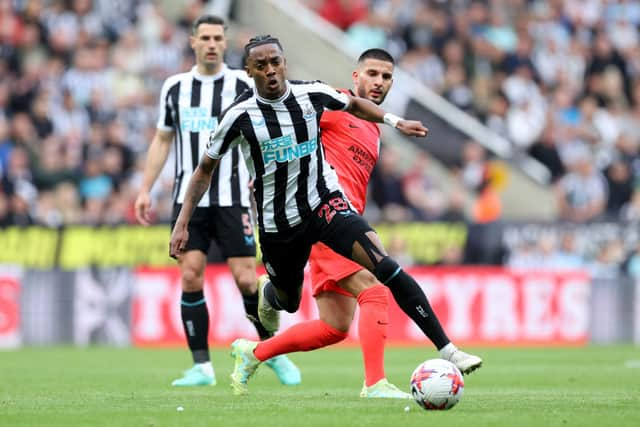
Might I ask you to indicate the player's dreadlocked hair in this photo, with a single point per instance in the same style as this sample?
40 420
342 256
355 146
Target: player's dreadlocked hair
259 41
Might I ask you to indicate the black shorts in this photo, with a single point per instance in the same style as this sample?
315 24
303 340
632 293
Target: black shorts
230 227
333 223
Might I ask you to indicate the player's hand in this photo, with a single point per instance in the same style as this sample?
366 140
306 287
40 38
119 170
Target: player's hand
143 208
179 238
412 128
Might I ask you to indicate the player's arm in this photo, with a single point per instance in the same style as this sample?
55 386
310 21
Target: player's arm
367 110
198 184
156 158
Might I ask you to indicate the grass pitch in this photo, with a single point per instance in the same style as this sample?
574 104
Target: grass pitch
593 386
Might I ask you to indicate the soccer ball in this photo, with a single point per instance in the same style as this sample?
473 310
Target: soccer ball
437 384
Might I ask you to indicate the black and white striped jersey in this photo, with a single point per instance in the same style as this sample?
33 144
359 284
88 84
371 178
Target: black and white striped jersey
280 141
190 106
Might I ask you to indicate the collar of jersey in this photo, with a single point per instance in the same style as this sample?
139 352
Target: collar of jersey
203 77
275 101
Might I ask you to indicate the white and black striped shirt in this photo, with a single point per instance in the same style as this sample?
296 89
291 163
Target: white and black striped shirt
191 105
280 141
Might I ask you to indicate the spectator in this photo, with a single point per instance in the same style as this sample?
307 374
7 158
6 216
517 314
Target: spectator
631 210
51 169
546 152
455 208
474 164
568 257
620 183
608 261
94 184
386 187
581 195
487 207
496 119
421 191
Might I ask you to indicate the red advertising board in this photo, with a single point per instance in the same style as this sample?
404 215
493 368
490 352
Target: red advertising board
9 309
484 306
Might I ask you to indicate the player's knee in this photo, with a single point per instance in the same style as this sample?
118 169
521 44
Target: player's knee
386 270
192 279
288 291
289 300
337 322
359 282
290 304
367 280
247 284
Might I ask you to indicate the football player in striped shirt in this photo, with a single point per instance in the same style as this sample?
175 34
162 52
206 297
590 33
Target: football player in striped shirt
190 108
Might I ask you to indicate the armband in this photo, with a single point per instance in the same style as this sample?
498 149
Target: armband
391 119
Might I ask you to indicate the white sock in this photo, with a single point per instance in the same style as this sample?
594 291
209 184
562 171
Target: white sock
207 368
448 350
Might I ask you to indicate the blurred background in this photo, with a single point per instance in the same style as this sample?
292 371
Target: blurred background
518 214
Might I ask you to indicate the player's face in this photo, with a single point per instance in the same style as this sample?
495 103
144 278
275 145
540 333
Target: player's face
209 44
267 66
373 79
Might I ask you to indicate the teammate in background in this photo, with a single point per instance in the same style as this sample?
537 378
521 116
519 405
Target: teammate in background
190 108
351 146
299 199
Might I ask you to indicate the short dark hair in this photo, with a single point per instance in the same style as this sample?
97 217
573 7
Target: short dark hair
376 53
259 41
207 19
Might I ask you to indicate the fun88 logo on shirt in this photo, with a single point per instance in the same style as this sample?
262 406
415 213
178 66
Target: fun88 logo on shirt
197 119
284 149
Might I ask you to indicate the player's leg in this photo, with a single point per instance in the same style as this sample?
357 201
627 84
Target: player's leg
332 327
243 270
244 274
284 261
234 234
193 306
195 319
372 328
412 300
351 236
373 320
304 336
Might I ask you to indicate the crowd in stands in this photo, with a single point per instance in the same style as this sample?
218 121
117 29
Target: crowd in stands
559 79
568 250
79 84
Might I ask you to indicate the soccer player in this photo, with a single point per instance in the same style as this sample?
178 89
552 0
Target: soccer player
351 146
299 199
190 108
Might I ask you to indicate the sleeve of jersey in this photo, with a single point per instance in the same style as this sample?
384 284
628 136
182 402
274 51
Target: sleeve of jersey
165 117
331 98
226 136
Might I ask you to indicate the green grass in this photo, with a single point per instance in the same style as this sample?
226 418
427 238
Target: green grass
593 386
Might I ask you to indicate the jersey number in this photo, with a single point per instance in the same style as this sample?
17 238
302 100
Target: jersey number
328 210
